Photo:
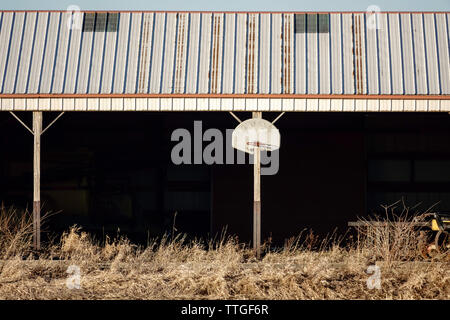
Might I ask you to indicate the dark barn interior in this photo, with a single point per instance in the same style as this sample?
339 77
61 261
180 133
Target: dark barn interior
109 171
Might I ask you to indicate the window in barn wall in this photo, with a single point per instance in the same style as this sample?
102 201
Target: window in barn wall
101 22
312 23
409 166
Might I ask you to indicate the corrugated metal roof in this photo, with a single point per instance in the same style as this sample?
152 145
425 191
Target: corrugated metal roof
225 53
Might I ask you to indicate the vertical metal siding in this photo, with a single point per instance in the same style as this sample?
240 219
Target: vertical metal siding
359 51
228 54
169 53
144 53
96 60
444 55
288 54
396 54
347 53
157 54
26 53
107 71
312 57
133 54
300 62
193 53
61 56
241 46
5 39
372 58
264 53
408 54
181 53
205 57
254 53
84 62
276 54
72 61
384 56
324 62
50 52
217 62
336 52
122 49
432 55
38 52
15 43
419 49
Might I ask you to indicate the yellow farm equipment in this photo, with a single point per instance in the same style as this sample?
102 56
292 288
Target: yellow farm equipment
437 237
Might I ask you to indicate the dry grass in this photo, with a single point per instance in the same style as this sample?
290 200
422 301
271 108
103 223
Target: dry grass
305 268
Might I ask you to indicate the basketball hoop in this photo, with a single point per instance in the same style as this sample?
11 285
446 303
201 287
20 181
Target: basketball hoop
262 146
253 136
256 133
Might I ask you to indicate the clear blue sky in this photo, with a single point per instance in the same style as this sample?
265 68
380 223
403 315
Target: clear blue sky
232 5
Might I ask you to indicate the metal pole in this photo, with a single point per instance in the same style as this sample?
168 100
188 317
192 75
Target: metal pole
37 130
257 198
